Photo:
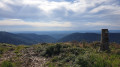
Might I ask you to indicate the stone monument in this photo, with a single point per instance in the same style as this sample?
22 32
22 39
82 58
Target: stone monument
104 40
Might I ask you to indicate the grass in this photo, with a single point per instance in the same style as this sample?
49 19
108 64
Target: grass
88 56
7 64
71 54
6 47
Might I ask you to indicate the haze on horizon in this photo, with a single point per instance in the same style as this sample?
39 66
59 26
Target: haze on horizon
59 15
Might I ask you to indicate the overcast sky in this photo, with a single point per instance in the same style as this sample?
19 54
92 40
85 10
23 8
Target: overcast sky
59 15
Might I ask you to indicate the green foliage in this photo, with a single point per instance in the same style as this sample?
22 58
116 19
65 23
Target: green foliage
82 61
7 64
74 56
51 65
69 55
95 44
1 51
92 60
6 47
76 50
52 50
19 48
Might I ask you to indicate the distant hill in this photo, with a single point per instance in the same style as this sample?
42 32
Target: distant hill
81 37
28 39
38 38
89 37
114 37
6 37
31 38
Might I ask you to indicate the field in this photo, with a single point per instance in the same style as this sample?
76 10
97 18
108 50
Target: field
68 54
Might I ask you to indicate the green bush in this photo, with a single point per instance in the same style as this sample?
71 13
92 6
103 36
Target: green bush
19 48
52 50
82 61
92 60
69 58
7 64
67 55
76 50
1 51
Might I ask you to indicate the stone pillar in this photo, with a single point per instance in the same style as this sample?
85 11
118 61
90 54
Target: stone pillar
104 40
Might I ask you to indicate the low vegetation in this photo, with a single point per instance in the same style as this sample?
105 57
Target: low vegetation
7 64
69 54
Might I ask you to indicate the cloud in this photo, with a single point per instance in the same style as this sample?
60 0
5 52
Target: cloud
107 8
102 23
50 6
18 22
55 13
5 7
78 6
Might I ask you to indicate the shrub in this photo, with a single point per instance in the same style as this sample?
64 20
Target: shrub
7 64
95 44
117 51
92 60
1 51
19 48
82 61
52 50
69 58
76 50
44 44
51 65
55 59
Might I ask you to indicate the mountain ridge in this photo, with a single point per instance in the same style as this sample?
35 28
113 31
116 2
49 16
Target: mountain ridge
32 38
29 39
89 37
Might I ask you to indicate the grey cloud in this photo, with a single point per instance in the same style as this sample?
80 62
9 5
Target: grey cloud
33 13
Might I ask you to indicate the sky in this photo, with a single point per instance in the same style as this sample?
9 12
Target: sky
59 15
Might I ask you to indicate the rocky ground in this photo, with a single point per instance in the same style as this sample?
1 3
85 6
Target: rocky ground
59 55
28 57
32 59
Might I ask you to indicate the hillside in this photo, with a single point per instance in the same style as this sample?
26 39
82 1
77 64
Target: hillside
10 38
28 39
114 37
37 38
89 37
31 38
59 55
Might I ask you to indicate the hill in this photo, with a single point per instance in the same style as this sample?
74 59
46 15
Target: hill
89 37
32 38
114 37
59 55
28 39
37 38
